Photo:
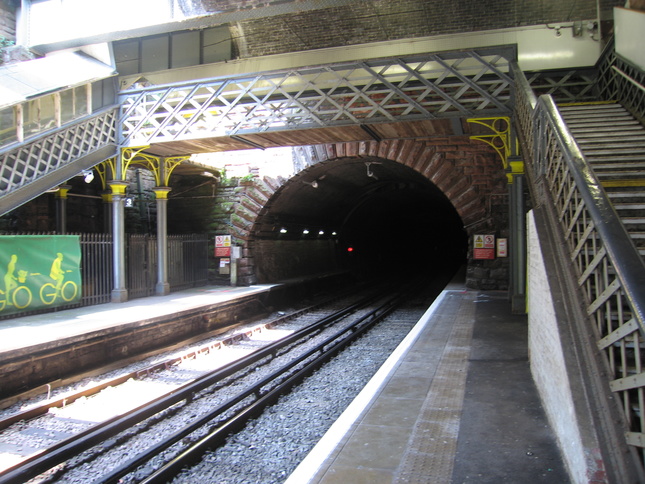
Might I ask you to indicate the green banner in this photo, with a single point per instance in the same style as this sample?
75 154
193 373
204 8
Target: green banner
39 271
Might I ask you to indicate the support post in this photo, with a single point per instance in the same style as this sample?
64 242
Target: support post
119 293
107 211
518 236
163 287
61 209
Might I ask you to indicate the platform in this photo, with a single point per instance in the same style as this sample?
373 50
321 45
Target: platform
54 349
455 403
36 329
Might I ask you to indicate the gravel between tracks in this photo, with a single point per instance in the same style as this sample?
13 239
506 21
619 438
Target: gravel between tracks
271 447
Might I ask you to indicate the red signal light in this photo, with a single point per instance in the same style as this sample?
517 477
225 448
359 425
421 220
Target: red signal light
350 249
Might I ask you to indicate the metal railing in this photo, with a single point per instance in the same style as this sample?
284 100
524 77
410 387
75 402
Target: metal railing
96 268
619 79
565 85
187 261
610 271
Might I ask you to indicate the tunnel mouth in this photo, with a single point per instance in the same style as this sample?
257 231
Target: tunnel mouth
370 217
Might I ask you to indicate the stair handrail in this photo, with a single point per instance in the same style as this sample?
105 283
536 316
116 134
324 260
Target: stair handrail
40 163
536 117
620 79
608 268
629 78
616 241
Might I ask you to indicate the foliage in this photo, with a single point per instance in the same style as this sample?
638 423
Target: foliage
4 42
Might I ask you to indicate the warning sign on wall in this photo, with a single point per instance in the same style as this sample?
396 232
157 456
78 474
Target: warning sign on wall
222 241
222 251
484 246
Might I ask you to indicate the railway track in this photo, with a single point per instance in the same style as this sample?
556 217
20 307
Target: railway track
232 394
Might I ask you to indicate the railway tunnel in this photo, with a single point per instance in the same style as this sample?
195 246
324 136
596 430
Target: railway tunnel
401 200
370 216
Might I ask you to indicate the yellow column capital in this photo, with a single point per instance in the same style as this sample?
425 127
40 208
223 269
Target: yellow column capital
161 192
62 191
117 187
515 167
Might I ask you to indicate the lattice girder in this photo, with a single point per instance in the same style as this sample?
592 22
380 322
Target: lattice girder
30 167
466 83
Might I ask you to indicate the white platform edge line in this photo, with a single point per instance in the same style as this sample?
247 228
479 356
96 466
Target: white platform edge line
312 463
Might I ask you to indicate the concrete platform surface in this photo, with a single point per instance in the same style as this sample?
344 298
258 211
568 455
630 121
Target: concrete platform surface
454 404
41 328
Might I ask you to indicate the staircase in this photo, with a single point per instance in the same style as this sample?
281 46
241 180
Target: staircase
613 143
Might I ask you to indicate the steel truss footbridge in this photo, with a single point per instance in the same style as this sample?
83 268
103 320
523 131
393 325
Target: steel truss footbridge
261 110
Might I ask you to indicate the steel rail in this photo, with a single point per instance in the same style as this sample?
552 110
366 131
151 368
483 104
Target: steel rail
67 398
327 350
68 448
241 415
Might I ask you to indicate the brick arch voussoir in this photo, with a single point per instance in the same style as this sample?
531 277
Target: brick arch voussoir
253 196
425 158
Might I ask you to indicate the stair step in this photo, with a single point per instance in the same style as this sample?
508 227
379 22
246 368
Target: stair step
633 220
616 164
625 194
612 137
596 117
607 129
629 206
622 183
589 107
617 150
604 124
596 160
621 176
622 142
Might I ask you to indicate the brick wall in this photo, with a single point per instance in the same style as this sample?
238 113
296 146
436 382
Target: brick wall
7 20
382 20
288 259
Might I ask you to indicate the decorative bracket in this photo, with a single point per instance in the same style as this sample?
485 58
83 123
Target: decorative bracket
500 140
102 170
161 167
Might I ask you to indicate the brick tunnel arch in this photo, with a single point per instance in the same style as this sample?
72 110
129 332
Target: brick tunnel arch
466 174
